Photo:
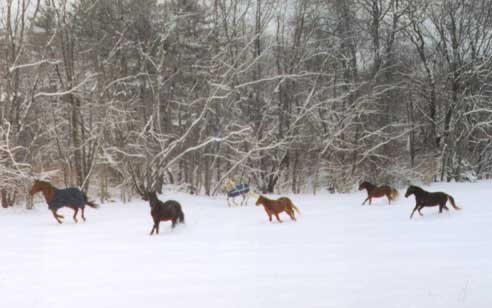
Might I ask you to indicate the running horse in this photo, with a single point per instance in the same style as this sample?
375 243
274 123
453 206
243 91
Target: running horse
424 198
374 191
275 207
163 211
56 198
234 191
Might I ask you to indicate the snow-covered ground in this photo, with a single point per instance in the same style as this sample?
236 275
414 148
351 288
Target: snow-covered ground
338 254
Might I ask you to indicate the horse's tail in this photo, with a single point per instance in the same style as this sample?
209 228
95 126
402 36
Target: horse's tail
181 216
294 207
88 202
451 199
393 193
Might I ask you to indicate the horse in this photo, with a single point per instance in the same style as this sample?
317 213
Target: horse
275 207
374 191
163 211
234 191
56 198
424 198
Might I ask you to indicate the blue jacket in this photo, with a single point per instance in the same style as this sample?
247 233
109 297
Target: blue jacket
238 190
67 197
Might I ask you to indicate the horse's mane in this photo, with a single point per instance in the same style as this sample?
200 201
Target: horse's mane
367 184
44 184
416 188
265 198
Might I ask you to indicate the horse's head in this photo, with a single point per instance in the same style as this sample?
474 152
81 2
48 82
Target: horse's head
364 185
228 185
260 200
410 190
148 195
144 195
38 186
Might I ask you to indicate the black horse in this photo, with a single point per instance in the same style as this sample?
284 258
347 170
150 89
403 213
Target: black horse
424 198
163 211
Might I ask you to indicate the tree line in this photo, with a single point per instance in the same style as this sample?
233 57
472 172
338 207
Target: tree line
287 95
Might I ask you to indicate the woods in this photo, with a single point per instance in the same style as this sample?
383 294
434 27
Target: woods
286 95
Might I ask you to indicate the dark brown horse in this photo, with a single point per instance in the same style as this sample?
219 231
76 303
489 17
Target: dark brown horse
275 207
424 198
56 198
374 191
163 211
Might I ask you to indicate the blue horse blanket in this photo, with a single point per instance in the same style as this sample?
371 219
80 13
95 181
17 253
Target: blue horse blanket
238 190
69 196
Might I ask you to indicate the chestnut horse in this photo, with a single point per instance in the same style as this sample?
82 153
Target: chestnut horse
56 198
163 211
275 207
424 198
374 191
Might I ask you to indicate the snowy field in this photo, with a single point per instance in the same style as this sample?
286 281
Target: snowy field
338 254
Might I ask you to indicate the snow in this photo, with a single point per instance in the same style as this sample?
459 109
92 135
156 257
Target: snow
338 254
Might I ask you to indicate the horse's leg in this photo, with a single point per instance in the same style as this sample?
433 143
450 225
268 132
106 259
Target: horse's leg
153 229
76 210
365 201
82 213
370 200
174 223
414 209
157 227
419 210
291 214
443 206
389 198
56 216
278 218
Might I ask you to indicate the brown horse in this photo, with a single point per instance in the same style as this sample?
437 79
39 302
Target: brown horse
374 191
275 207
424 198
163 211
56 198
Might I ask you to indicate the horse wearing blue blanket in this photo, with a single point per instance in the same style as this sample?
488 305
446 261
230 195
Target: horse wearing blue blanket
56 198
234 191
